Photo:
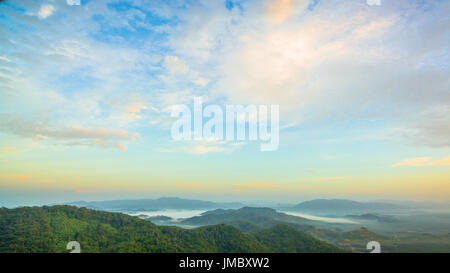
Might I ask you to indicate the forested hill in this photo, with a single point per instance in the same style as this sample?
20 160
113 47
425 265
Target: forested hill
49 229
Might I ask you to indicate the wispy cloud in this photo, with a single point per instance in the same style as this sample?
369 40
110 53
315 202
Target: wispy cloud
332 178
422 161
175 65
8 150
257 185
195 150
44 130
207 149
417 161
73 2
278 11
121 147
204 146
18 177
132 115
445 161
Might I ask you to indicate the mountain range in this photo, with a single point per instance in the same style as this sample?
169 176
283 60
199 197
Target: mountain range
154 204
189 204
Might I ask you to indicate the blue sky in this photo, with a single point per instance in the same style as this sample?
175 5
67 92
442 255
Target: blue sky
86 92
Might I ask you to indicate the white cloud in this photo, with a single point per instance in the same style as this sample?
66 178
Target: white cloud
201 81
174 65
356 64
280 10
46 11
3 58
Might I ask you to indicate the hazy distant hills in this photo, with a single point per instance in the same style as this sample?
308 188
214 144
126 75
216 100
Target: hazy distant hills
49 229
154 204
189 204
342 204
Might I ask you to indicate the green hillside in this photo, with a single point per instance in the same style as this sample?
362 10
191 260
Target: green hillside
286 239
49 229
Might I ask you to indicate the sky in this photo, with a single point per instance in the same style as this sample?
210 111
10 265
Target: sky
87 88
